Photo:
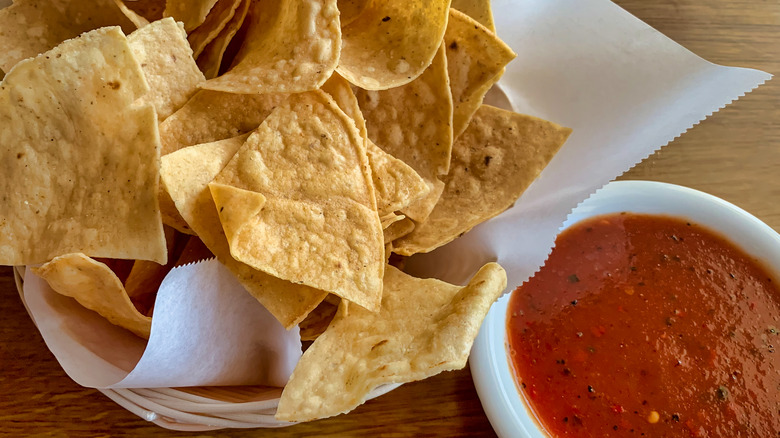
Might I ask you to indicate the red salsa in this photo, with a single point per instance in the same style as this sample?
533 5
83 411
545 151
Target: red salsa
642 325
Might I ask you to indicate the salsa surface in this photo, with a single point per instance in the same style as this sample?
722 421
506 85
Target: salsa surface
642 325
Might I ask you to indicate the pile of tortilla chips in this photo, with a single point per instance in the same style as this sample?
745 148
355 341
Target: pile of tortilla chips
301 142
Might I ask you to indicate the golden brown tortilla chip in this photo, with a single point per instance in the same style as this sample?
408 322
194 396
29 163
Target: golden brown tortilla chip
80 160
166 60
475 60
137 19
351 9
95 287
151 10
493 162
30 27
190 12
291 46
318 320
392 43
186 175
479 10
219 16
213 115
307 210
423 328
413 123
210 59
396 184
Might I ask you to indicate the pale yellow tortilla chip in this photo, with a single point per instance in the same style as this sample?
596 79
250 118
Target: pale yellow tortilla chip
398 229
318 223
498 156
186 175
390 219
396 184
190 12
95 286
479 10
350 10
213 115
210 59
79 159
476 58
166 60
392 42
219 16
30 27
421 209
414 124
291 46
423 328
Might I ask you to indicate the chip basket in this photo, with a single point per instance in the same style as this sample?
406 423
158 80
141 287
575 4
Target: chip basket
202 408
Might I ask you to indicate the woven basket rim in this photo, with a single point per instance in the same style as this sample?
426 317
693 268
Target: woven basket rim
199 409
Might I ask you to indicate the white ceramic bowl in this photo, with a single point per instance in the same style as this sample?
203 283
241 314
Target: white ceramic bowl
490 368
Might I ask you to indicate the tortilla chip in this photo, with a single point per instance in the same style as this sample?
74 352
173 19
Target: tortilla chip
145 277
475 61
69 120
392 43
423 328
30 27
166 60
398 229
317 224
291 46
131 15
396 184
95 287
318 320
421 209
186 175
190 12
493 162
414 124
479 10
390 219
219 16
151 10
212 115
210 59
349 10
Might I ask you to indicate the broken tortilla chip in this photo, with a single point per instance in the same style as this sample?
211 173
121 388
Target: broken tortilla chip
213 115
291 46
396 185
190 12
186 175
498 156
392 43
30 27
479 10
476 58
309 209
61 138
166 60
414 124
95 286
424 327
210 59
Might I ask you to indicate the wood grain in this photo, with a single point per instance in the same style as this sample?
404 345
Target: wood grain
735 154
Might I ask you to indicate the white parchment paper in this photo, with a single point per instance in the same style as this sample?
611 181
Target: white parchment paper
625 89
206 331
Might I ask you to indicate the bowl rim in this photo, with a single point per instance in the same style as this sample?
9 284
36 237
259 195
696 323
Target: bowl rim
490 368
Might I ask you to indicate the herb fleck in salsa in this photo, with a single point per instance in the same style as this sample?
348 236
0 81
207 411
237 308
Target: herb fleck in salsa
643 325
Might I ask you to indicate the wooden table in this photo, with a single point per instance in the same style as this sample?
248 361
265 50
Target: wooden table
734 155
